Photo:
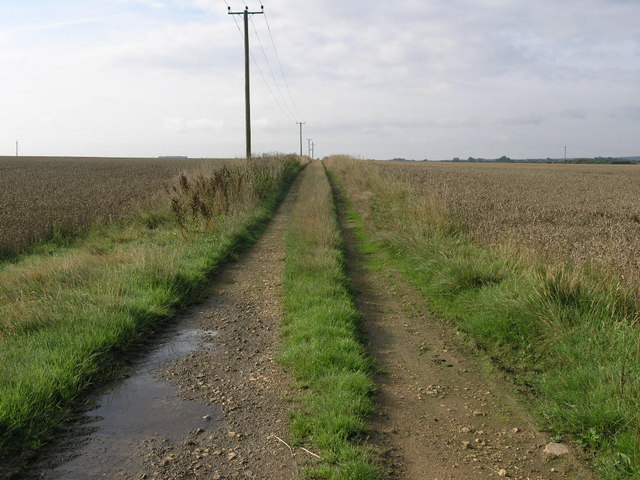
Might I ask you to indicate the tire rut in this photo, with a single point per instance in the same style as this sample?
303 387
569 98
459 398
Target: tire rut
234 371
441 412
241 374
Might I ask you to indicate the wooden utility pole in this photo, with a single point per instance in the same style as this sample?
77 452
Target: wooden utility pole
300 123
309 146
247 89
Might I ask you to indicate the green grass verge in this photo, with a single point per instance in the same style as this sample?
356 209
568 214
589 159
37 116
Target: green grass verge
321 340
70 314
570 337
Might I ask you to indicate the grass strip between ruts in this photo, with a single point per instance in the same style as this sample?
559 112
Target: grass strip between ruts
101 310
321 339
567 336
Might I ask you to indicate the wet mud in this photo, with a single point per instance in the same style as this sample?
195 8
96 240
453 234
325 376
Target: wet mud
206 401
140 405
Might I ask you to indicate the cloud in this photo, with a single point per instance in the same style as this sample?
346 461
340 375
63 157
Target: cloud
574 113
207 5
192 47
438 79
523 120
198 125
23 30
633 112
149 3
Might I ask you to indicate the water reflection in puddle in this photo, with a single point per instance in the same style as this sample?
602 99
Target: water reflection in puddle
141 406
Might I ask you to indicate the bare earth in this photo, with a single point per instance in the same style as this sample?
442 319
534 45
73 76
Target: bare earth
439 415
238 377
241 375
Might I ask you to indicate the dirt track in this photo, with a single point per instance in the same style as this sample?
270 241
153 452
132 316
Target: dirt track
441 414
241 375
235 373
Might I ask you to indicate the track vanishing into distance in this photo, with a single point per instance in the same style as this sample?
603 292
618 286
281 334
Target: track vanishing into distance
229 380
441 412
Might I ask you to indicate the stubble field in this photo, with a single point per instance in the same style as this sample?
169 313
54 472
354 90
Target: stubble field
559 213
41 196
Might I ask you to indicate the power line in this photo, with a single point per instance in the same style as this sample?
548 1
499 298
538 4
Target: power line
284 78
275 81
275 99
280 65
286 112
235 20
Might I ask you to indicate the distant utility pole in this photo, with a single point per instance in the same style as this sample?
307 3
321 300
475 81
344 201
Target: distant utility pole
309 146
16 148
247 90
300 123
565 153
313 150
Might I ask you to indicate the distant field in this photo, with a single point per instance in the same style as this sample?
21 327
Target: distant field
40 195
494 248
580 212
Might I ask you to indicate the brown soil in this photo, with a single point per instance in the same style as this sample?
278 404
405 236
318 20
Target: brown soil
241 375
441 412
235 371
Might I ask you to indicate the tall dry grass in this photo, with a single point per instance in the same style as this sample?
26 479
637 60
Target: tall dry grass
57 198
566 331
586 215
200 199
66 314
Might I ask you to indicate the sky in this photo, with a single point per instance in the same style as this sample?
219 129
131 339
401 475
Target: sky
418 79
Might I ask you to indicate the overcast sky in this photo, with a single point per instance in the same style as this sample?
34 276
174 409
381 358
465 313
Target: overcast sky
417 79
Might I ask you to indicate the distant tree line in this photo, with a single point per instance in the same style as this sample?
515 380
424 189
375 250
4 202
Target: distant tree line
603 161
505 159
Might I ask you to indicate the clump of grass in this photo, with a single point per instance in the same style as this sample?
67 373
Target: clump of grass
321 341
200 199
569 333
65 316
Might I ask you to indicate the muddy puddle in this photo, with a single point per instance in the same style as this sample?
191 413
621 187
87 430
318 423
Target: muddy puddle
136 408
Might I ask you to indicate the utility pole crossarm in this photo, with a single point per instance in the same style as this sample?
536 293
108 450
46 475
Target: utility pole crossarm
246 12
247 88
